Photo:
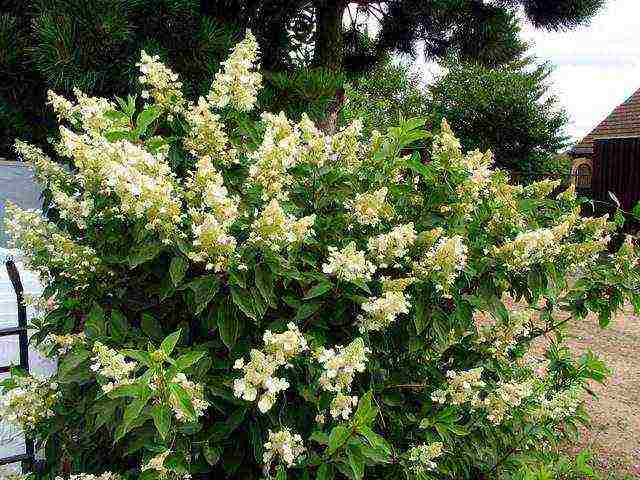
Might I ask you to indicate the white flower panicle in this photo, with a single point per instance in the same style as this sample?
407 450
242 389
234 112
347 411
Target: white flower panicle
279 151
238 84
160 83
31 401
90 476
206 136
443 263
196 395
370 208
46 171
559 406
111 365
276 229
46 249
346 146
462 387
283 445
348 264
382 311
340 365
342 406
62 344
258 378
74 209
423 456
387 249
505 398
156 463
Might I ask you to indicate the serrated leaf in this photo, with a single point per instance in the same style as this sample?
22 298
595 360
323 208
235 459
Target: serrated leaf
187 359
169 343
178 269
244 301
366 411
318 290
228 326
264 282
162 419
94 325
204 290
307 309
146 118
182 398
325 472
118 325
356 462
337 438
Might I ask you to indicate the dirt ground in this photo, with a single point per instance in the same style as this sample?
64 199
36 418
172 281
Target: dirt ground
614 435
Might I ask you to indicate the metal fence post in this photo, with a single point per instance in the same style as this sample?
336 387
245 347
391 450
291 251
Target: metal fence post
20 331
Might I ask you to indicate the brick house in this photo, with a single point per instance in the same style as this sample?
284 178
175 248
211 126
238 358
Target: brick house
608 158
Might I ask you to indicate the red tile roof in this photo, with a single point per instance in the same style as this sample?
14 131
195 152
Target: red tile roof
623 122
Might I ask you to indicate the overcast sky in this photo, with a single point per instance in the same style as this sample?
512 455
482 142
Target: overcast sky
597 66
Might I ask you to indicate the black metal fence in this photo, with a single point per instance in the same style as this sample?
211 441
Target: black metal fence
26 458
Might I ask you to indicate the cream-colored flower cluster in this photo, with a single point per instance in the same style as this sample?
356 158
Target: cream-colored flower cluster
340 365
258 378
213 211
206 136
346 146
317 147
30 402
388 248
46 249
507 396
370 208
342 406
45 170
501 337
276 229
90 476
112 365
462 387
348 264
156 464
90 113
423 456
62 344
559 406
534 246
196 395
382 311
283 445
279 151
74 209
446 147
238 83
443 263
160 83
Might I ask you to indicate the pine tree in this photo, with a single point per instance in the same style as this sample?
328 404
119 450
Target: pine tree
308 49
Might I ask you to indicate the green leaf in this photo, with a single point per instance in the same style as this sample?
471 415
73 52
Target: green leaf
94 326
161 419
307 309
204 290
356 462
70 363
366 412
138 355
318 290
124 390
146 118
243 299
282 473
178 269
325 472
211 454
151 327
169 343
118 325
187 359
182 398
228 326
264 282
131 414
144 253
339 435
377 442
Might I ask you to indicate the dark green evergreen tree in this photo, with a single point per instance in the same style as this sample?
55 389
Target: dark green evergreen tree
308 49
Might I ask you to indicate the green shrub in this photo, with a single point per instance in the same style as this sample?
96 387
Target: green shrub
239 299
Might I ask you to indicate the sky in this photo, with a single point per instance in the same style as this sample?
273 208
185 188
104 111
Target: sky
597 65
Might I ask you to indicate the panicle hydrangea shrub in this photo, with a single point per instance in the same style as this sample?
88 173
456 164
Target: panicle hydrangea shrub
236 295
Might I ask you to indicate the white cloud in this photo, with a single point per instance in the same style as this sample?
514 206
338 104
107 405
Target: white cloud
597 65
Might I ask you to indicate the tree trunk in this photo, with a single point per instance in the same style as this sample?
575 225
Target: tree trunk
329 47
